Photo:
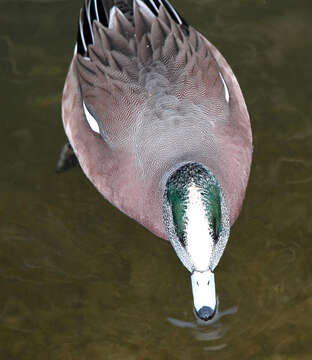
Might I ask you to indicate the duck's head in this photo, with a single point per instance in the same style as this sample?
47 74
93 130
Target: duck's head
197 222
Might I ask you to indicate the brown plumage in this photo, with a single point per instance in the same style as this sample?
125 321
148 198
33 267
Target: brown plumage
159 95
116 86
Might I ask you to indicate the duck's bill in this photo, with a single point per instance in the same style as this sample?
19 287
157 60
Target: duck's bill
204 294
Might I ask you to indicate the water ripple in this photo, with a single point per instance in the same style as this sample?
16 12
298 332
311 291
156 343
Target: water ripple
206 331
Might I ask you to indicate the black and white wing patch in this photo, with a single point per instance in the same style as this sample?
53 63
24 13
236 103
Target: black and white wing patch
103 11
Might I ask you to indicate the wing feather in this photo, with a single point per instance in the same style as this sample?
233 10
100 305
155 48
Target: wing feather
132 49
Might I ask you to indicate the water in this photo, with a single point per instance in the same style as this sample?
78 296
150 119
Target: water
79 280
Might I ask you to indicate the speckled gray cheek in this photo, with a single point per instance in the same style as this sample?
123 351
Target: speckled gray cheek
174 239
223 238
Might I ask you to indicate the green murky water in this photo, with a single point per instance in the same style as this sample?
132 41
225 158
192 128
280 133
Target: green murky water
79 280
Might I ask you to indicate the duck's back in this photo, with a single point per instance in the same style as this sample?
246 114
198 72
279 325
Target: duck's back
161 95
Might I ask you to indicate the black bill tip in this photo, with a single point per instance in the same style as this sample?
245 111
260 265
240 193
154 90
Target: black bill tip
205 313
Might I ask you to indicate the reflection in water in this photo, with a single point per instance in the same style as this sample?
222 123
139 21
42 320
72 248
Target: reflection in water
207 331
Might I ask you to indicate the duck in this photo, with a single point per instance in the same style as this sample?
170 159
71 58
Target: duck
157 121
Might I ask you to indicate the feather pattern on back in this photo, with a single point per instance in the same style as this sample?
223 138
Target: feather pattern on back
150 81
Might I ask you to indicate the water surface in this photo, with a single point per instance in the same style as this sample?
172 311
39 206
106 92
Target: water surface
80 280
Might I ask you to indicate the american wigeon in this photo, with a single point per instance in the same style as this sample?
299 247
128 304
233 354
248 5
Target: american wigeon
159 125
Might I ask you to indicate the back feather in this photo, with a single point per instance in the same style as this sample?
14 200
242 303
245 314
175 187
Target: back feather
145 73
103 12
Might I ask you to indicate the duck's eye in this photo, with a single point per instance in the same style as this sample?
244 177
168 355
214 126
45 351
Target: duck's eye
91 121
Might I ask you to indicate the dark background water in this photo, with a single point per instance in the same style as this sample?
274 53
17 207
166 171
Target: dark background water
79 280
